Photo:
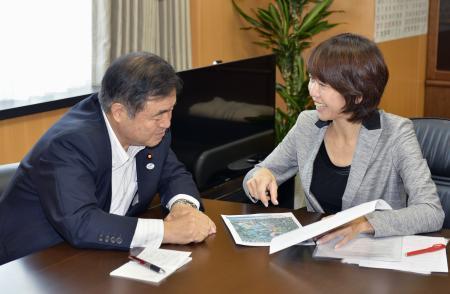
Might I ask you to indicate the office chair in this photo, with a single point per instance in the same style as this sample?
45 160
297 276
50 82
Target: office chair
433 135
6 173
230 156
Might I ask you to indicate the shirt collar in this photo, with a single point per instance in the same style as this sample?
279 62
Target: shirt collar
119 155
372 122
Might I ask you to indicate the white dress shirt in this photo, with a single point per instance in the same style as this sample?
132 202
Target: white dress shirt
149 232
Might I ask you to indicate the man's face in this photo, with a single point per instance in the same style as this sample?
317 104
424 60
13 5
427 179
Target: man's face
148 126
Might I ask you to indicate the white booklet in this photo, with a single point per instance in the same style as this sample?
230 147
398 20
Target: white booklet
259 229
315 229
168 260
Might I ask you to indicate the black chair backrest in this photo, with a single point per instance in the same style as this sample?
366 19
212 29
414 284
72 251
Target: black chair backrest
6 173
433 135
230 157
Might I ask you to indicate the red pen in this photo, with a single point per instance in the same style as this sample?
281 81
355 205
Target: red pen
148 264
433 248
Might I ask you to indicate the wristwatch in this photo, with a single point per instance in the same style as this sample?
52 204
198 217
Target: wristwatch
184 201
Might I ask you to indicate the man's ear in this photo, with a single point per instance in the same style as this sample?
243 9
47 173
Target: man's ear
118 112
358 100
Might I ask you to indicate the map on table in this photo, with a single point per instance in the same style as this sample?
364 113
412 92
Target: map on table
259 229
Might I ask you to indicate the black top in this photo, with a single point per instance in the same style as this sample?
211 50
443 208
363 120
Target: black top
328 181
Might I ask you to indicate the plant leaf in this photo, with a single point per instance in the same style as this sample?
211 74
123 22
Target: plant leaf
285 29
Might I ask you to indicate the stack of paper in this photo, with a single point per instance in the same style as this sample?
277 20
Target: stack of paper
389 253
168 260
423 263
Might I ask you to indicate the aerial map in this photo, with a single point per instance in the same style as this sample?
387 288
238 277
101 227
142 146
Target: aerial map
259 229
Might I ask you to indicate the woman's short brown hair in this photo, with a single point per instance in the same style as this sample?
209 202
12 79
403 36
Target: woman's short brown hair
353 66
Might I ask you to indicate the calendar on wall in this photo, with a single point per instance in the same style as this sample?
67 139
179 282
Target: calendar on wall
395 19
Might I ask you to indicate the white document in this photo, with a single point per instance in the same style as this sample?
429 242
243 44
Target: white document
315 229
423 263
259 229
169 260
363 247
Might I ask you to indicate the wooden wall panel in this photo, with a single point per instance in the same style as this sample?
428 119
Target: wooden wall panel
19 134
437 101
216 34
357 17
405 92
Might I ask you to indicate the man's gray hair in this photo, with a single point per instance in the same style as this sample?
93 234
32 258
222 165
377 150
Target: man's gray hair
135 78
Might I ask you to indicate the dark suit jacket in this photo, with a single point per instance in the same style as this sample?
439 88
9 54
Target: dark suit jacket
62 188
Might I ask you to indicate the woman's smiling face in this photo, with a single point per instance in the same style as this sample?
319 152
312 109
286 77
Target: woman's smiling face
329 102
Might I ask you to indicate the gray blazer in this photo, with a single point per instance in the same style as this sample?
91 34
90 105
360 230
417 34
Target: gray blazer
387 164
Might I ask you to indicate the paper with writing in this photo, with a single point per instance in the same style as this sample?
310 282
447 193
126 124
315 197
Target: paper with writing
423 263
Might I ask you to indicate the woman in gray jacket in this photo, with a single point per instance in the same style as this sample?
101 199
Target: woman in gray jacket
348 152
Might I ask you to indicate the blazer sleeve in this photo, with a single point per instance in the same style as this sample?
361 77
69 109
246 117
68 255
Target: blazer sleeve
70 180
282 161
424 212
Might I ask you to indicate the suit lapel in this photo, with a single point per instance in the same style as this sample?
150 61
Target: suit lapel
142 172
105 153
363 154
141 164
309 164
148 169
307 172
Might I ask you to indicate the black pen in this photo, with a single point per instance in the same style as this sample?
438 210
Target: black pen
153 267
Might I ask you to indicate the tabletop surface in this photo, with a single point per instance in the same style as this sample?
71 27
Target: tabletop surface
218 266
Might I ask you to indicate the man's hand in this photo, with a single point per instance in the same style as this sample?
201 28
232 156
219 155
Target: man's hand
348 232
185 224
263 186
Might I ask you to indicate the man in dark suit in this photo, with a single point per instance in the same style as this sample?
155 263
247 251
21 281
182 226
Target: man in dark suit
100 165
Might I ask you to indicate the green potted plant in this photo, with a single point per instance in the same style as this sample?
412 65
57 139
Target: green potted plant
286 28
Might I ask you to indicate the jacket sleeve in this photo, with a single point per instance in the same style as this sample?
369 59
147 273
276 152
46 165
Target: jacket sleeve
70 180
282 161
424 211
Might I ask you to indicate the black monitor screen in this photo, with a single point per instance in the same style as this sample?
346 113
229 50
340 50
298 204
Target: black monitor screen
224 118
